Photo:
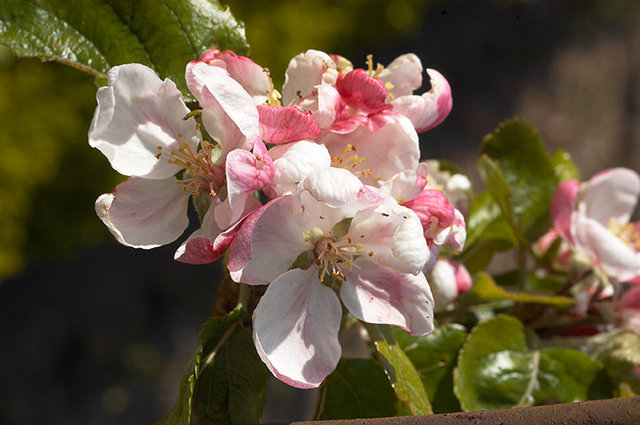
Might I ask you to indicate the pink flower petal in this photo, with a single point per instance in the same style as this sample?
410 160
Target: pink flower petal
562 207
378 294
295 328
144 213
228 112
361 92
136 114
268 242
430 109
251 76
433 208
286 124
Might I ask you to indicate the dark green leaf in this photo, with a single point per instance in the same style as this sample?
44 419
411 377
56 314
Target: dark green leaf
434 357
358 388
226 381
563 167
519 174
497 369
485 289
94 35
232 379
403 376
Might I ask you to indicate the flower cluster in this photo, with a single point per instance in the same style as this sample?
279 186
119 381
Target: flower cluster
350 217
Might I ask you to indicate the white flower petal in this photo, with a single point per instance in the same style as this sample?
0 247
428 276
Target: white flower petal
295 328
136 114
334 186
304 72
144 213
378 294
404 73
612 194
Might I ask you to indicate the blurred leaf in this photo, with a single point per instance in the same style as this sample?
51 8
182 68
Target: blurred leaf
619 351
94 35
563 167
485 289
358 388
519 174
434 357
226 382
403 376
496 369
568 375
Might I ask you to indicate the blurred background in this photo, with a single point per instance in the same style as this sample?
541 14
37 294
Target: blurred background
93 332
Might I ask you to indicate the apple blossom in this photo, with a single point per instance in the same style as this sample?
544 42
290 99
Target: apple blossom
593 217
139 126
332 232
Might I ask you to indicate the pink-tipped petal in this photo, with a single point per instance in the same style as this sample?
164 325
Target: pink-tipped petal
378 294
253 78
361 92
612 194
430 109
268 242
433 208
144 213
286 124
228 112
138 114
562 207
295 328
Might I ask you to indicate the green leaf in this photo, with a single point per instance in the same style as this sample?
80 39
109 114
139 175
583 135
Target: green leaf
497 369
568 375
358 388
563 167
434 357
519 175
485 289
226 381
94 35
403 376
232 379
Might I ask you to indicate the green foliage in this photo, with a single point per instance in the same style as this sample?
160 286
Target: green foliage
358 388
405 380
94 35
434 357
485 289
497 369
226 382
563 167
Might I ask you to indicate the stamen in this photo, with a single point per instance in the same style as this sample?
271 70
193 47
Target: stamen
628 233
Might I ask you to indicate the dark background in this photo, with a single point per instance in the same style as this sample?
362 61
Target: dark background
94 332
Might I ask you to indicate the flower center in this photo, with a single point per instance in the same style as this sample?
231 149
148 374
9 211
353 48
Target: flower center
628 233
333 256
350 161
200 170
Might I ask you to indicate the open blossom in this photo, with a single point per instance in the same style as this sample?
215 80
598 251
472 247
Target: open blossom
332 232
344 98
138 125
593 218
